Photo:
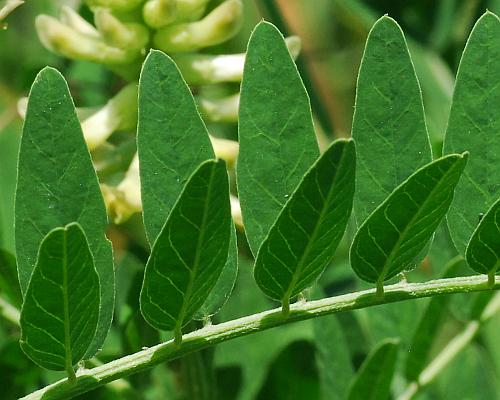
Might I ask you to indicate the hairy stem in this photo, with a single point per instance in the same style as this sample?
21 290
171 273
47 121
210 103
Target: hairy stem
210 335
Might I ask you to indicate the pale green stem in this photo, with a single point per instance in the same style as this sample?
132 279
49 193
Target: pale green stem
454 347
9 6
9 312
213 334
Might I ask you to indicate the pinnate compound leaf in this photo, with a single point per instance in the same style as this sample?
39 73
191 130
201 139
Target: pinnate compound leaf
429 326
374 378
61 305
474 126
57 185
307 231
276 132
172 142
172 139
389 122
394 234
483 250
190 251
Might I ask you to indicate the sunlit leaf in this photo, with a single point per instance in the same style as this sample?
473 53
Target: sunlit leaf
61 305
277 138
57 185
190 251
395 233
474 126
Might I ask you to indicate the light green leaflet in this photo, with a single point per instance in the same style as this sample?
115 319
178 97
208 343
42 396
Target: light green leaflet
190 251
57 185
474 126
394 234
389 122
61 305
373 381
483 250
307 231
276 133
172 141
429 326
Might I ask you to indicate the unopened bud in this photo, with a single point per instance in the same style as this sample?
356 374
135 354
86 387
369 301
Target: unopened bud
226 149
159 13
117 33
71 18
200 69
119 114
116 5
70 43
190 10
125 199
220 109
217 27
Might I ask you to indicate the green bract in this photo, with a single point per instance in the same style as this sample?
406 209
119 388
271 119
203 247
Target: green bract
190 251
393 235
57 185
276 133
61 305
306 233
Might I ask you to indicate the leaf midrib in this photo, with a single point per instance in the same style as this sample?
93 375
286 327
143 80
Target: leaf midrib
300 265
410 223
201 239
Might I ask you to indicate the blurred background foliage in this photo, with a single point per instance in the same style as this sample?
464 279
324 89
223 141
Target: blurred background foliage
312 359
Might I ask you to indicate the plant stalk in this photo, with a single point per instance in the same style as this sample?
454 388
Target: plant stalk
88 380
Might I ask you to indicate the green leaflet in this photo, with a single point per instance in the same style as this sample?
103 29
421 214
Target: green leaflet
57 185
172 141
61 305
373 381
276 133
483 250
225 284
474 126
429 326
9 285
394 234
190 251
389 122
307 231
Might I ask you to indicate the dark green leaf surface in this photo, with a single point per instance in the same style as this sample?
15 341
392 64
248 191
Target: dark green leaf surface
9 285
303 240
373 381
190 251
225 284
388 123
276 133
428 327
57 185
332 358
61 305
395 233
172 139
483 250
474 126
